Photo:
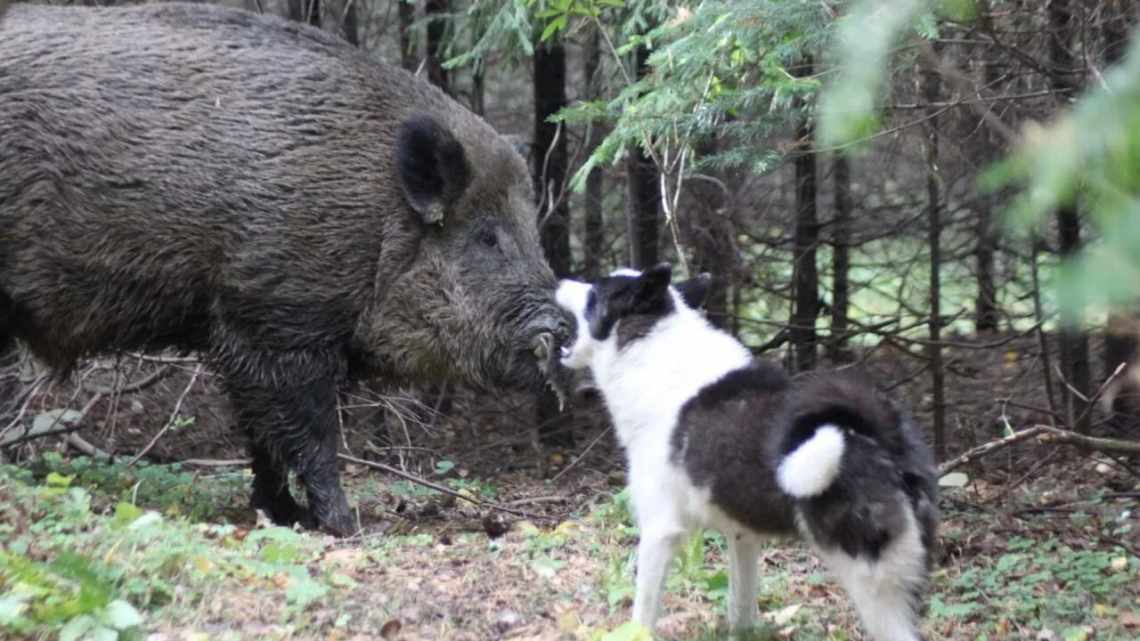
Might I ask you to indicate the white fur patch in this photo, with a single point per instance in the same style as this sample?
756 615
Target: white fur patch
812 467
882 590
571 296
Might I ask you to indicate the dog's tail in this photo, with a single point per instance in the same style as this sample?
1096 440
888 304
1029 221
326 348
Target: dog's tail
862 483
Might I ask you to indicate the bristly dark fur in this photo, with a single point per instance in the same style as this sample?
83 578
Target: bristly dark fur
722 437
300 214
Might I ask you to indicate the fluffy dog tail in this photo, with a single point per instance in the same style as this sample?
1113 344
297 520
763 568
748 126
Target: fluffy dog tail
862 484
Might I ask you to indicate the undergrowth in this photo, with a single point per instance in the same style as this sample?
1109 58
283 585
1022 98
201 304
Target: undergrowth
93 551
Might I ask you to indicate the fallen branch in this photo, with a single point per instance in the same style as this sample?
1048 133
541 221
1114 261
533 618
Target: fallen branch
1095 443
1051 435
81 445
173 417
987 448
206 462
443 488
134 386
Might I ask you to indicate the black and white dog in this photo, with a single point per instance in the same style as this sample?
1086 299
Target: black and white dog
714 438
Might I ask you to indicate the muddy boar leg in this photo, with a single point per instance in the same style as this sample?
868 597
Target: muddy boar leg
319 470
296 421
271 488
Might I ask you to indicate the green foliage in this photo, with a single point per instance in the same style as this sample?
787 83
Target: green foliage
1090 155
867 35
170 489
1021 585
723 68
68 570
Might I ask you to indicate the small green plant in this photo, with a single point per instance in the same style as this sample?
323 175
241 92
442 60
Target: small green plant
71 569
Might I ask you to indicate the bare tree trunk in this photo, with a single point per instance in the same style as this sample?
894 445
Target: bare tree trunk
549 81
1074 342
479 88
805 277
307 11
840 260
643 200
407 14
931 84
986 315
550 155
594 222
351 22
436 34
711 234
1123 330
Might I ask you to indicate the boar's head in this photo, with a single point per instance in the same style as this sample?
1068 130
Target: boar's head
474 301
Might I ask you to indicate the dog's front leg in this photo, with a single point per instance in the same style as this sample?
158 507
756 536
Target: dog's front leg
743 553
654 552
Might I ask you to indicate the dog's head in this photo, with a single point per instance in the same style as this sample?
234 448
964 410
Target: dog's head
623 295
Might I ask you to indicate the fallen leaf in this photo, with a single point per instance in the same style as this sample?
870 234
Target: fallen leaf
391 628
783 616
568 622
344 557
1130 619
1119 564
954 479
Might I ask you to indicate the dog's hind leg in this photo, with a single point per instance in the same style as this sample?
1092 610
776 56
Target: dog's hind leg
887 590
654 552
743 553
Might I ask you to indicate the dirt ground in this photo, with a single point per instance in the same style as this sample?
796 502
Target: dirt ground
1041 543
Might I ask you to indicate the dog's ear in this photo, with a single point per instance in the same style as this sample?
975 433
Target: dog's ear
652 288
695 290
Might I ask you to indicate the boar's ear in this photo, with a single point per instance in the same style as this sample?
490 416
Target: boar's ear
432 167
695 290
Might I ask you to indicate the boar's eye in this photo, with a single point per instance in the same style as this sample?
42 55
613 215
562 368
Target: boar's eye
488 237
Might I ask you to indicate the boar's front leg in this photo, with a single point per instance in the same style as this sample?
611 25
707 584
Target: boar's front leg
294 419
271 486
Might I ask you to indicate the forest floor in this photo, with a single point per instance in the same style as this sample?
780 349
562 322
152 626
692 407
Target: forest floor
162 552
1042 543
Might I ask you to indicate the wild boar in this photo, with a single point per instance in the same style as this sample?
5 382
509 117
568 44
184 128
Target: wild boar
262 193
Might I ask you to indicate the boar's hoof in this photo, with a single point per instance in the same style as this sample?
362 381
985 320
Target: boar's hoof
339 524
282 510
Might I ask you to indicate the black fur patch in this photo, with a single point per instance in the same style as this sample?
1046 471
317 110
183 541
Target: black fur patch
886 470
635 300
722 439
432 166
695 290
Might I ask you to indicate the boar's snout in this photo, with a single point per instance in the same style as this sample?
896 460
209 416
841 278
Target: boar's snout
551 332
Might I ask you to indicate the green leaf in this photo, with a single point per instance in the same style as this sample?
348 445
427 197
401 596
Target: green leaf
554 27
102 633
303 590
122 615
11 608
58 480
629 631
546 567
77 628
126 513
